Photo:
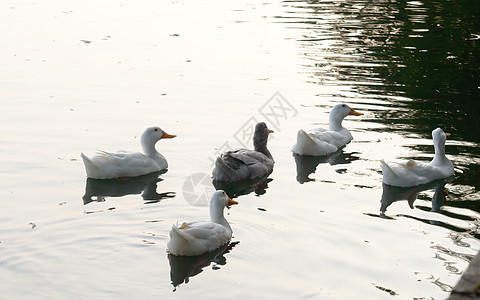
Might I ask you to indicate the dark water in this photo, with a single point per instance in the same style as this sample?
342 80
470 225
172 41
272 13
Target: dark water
418 58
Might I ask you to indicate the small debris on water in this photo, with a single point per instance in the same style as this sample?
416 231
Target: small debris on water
391 292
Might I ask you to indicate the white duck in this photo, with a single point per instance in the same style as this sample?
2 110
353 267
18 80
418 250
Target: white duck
241 164
198 237
412 173
319 141
108 165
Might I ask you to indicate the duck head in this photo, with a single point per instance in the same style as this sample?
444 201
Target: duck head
338 113
221 199
439 138
440 159
218 202
150 136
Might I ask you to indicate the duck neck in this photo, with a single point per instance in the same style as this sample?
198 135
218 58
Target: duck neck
439 157
216 216
260 145
335 122
148 147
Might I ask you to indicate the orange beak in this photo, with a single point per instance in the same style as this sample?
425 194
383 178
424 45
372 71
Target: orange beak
231 202
270 131
354 113
447 134
167 136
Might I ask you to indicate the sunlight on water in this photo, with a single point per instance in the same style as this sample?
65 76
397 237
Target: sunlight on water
81 77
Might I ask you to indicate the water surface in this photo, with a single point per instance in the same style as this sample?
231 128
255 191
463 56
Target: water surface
77 77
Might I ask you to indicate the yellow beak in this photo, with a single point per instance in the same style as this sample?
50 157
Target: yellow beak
354 113
167 136
231 202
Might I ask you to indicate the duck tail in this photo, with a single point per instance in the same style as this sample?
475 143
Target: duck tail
304 141
176 233
302 134
90 167
177 238
386 168
384 165
222 170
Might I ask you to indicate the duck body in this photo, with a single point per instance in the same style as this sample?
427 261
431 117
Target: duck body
195 238
320 141
108 165
412 173
242 164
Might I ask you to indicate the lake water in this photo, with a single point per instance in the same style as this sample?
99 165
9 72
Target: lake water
78 76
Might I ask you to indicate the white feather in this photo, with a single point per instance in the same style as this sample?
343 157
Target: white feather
320 141
107 165
412 173
195 238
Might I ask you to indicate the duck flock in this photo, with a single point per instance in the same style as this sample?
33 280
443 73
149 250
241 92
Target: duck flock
242 165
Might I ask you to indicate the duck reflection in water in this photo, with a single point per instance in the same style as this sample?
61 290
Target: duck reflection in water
145 185
392 194
184 267
244 187
307 164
